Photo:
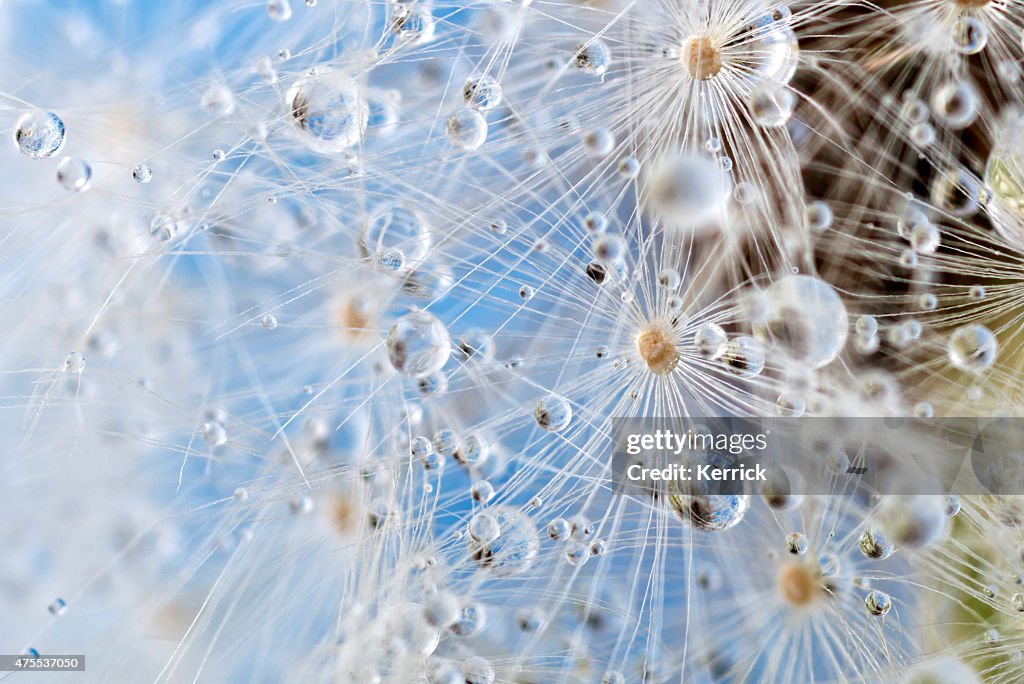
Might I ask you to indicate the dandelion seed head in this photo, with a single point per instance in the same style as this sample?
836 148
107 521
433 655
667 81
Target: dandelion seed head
799 584
658 351
702 59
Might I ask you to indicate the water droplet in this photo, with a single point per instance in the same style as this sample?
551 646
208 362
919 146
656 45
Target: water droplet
866 326
446 442
796 543
922 134
688 190
709 512
482 92
471 620
878 603
142 174
559 529
74 174
610 247
744 357
477 670
952 502
972 348
74 363
418 344
279 10
58 607
805 318
484 528
969 35
593 57
873 544
412 22
629 168
955 104
328 110
913 521
914 110
434 384
482 491
577 553
710 340
598 142
925 238
214 434
397 238
819 216
466 129
39 134
515 548
771 104
441 609
669 278
552 413
218 100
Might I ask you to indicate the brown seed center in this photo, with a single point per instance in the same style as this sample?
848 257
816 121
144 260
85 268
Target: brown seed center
657 351
798 584
353 316
345 515
702 59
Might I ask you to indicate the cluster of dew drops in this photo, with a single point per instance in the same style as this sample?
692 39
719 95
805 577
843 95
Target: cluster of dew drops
326 108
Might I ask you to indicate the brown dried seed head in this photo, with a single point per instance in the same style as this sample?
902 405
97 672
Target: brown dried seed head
702 59
657 351
354 318
799 584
